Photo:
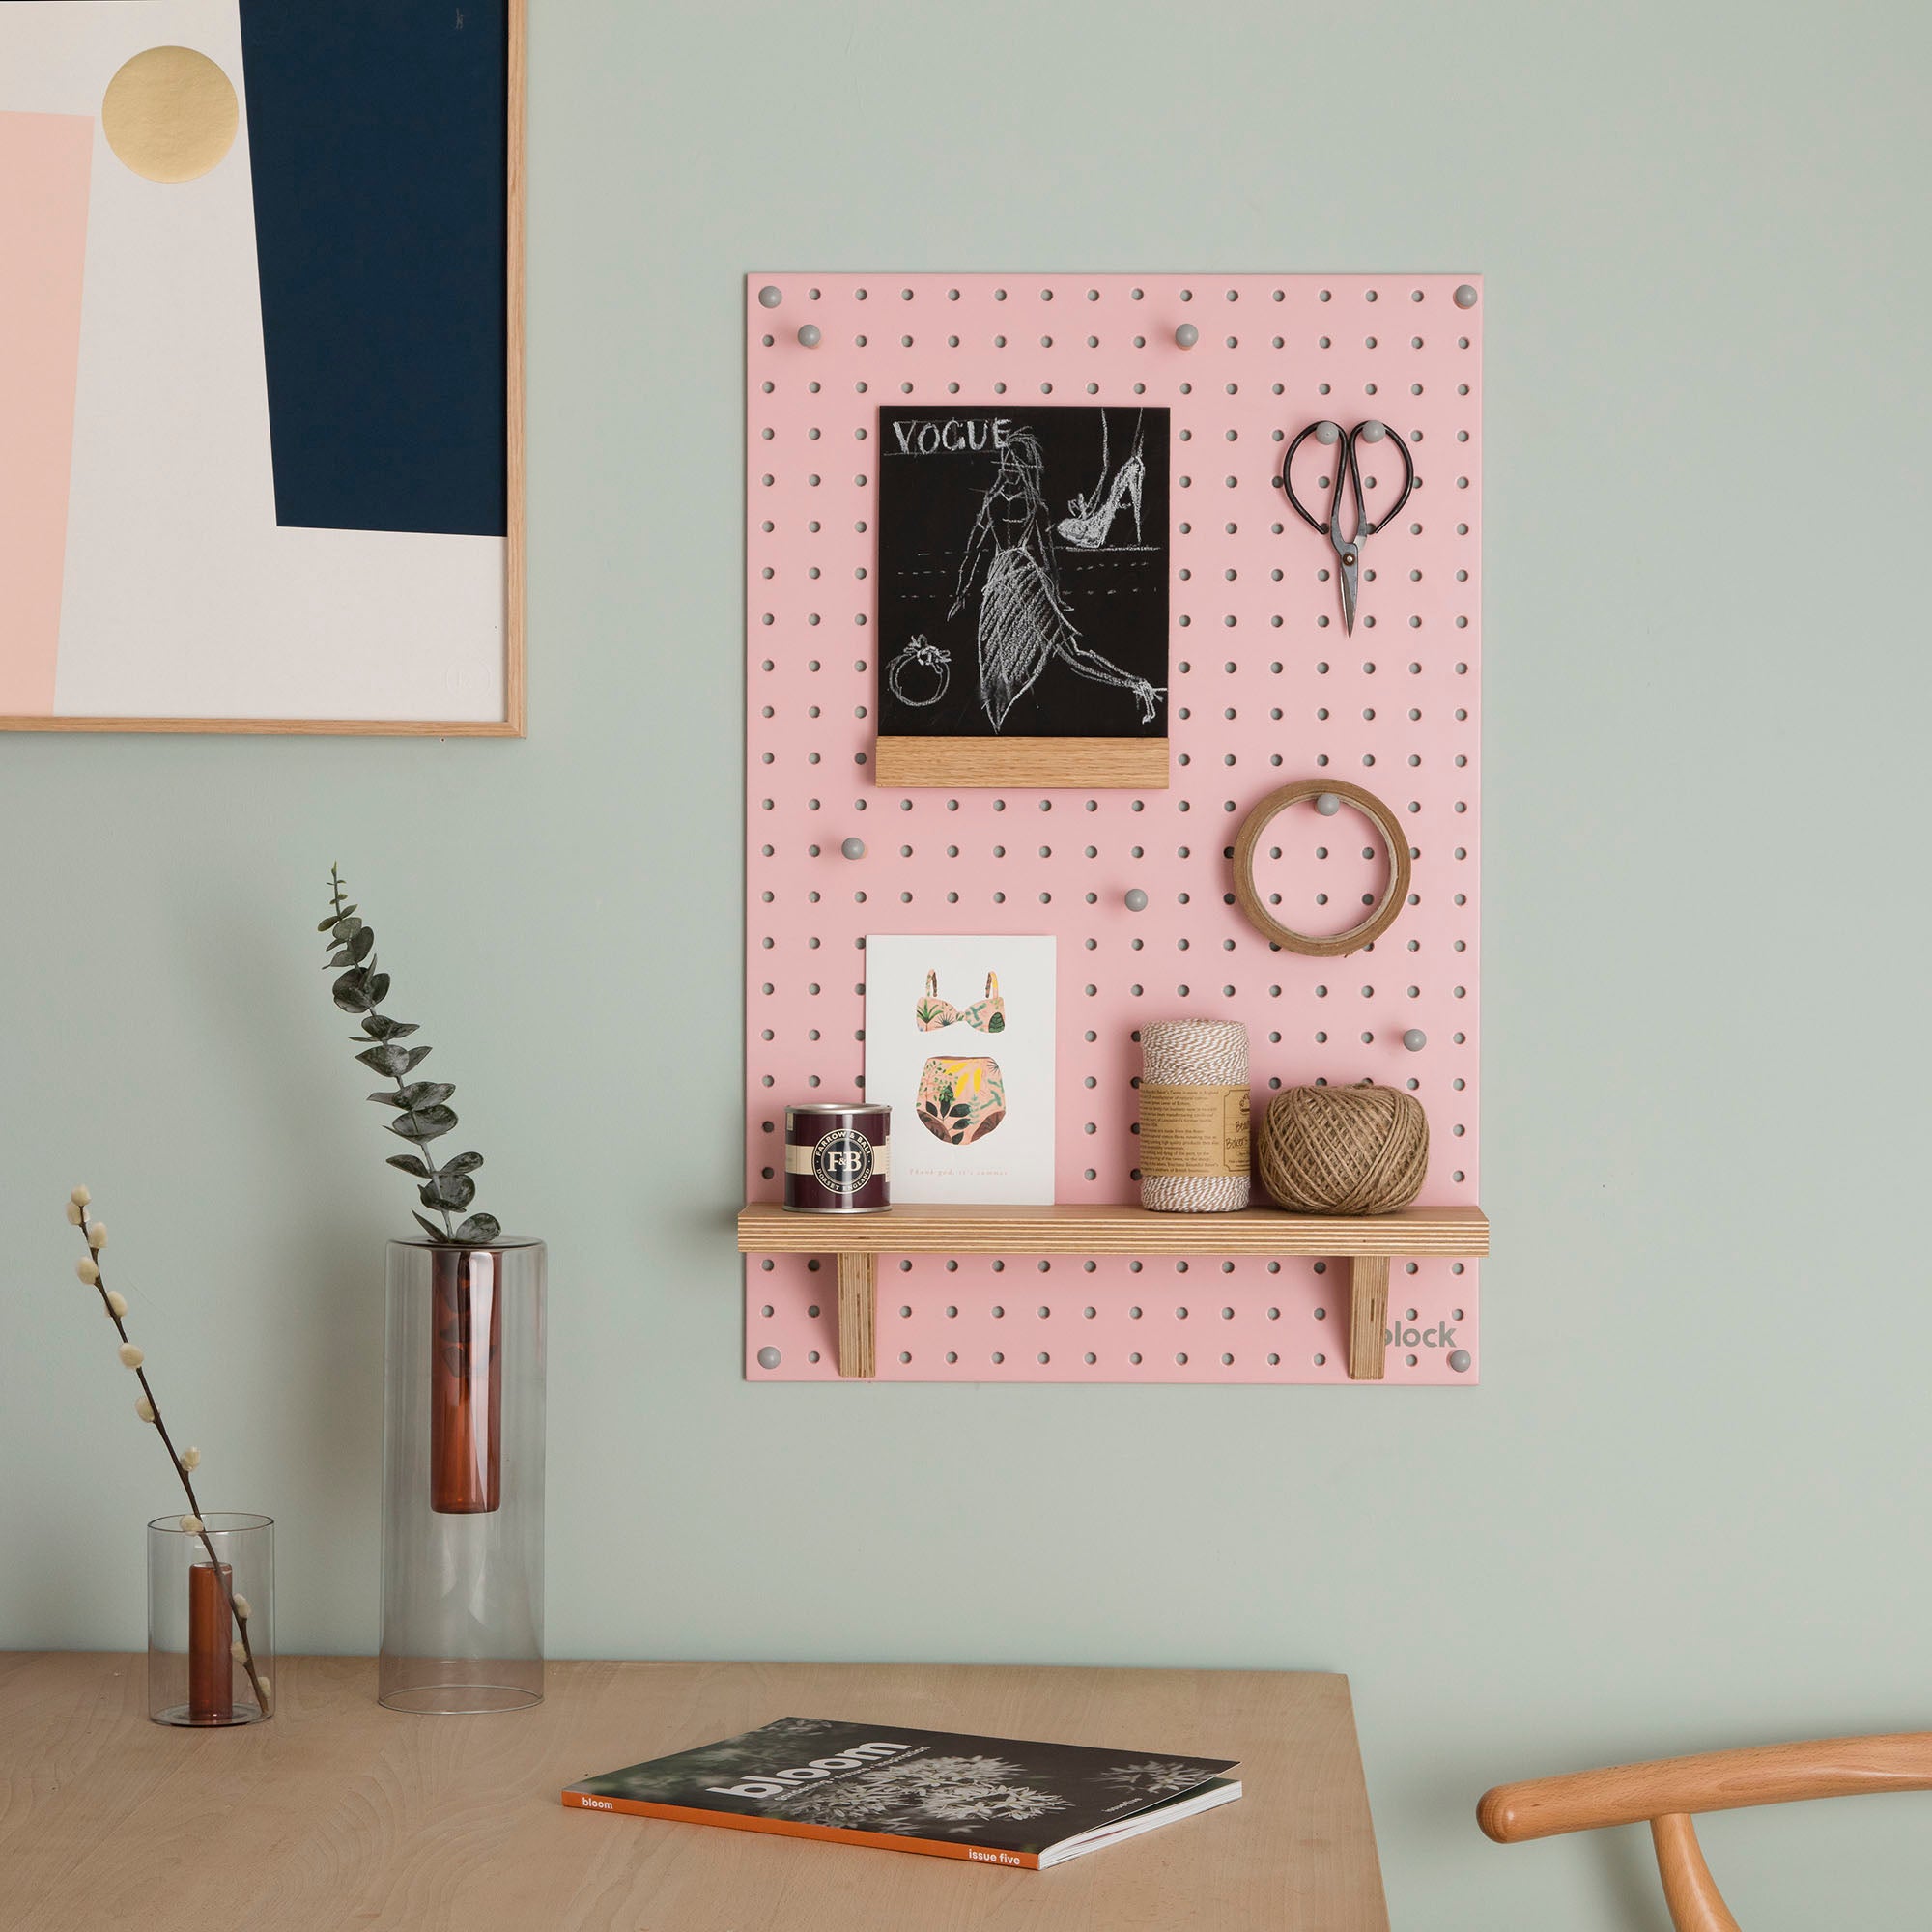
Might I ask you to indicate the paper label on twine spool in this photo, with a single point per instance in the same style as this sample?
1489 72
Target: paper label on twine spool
1194 1130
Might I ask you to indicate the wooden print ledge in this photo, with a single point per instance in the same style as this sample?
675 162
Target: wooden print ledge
1367 1242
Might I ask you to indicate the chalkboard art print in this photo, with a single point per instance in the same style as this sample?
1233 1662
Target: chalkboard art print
1022 596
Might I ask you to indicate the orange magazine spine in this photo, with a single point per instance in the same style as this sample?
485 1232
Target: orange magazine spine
792 1828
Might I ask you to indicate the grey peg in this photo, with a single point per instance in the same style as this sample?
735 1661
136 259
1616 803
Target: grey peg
1187 335
1137 900
1416 1040
1466 296
769 1358
809 335
769 297
1374 432
1459 1361
1327 431
854 849
1327 804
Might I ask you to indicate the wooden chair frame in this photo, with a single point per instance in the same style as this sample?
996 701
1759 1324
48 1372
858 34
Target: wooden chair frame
1667 1792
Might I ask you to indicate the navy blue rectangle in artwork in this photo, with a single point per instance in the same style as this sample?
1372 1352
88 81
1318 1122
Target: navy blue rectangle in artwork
378 133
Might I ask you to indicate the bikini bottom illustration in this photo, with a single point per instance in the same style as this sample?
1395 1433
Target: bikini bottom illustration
961 1100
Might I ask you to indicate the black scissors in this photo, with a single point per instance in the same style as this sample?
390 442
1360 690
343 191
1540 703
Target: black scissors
1348 478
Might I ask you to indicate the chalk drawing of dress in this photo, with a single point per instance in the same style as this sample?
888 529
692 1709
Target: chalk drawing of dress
1022 624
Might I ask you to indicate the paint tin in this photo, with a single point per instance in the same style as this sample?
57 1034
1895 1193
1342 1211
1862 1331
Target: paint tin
837 1159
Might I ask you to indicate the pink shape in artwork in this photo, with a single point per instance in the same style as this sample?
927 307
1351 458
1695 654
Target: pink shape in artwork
44 161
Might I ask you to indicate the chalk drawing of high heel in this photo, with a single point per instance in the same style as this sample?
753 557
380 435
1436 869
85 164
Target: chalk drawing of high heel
1092 518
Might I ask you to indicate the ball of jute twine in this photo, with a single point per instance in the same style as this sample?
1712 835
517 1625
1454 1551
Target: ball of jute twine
1193 1052
1343 1150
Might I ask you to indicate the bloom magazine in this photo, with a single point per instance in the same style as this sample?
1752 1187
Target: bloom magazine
989 1801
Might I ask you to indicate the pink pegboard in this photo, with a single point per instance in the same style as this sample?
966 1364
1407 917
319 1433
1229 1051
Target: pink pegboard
1265 688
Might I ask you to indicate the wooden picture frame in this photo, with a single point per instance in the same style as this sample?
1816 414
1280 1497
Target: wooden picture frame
511 723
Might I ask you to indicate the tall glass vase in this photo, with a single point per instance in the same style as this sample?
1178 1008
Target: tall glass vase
462 1477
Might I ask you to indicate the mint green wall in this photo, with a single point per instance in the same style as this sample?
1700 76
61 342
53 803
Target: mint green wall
1686 1506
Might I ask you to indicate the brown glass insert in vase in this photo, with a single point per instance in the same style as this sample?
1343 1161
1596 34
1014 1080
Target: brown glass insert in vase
211 1673
466 1395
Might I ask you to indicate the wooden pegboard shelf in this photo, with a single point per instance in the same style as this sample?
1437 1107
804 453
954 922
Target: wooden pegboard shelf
1367 1242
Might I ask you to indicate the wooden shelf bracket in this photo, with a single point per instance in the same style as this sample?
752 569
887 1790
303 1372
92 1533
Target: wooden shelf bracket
1368 1316
858 1315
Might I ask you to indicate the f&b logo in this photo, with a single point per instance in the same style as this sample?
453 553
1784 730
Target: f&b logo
843 1160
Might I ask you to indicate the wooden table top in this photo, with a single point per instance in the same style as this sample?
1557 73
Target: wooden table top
338 1813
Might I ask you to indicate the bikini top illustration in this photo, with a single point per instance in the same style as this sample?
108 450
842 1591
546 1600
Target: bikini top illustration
984 1015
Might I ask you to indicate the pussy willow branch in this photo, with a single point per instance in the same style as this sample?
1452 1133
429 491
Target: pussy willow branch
222 1575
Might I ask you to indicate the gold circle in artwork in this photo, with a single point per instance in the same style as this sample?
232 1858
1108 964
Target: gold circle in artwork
170 114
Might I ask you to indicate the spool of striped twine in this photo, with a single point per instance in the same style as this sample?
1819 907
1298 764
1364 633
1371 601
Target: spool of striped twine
1194 1116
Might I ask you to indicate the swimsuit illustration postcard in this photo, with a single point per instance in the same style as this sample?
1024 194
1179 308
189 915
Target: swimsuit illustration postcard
959 1043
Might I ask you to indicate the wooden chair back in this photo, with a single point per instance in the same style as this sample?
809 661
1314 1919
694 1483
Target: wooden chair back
1668 1792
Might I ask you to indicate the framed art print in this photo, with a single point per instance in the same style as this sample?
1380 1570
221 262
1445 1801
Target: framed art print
261 366
1022 596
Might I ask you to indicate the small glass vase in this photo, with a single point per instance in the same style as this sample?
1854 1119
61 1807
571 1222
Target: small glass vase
211 1595
462 1477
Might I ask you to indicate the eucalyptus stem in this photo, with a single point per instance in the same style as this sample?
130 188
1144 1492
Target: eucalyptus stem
402 1091
421 1110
